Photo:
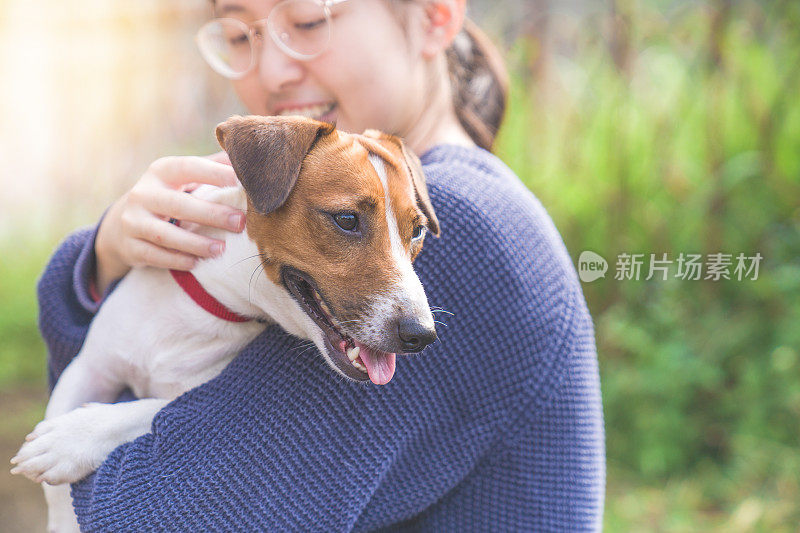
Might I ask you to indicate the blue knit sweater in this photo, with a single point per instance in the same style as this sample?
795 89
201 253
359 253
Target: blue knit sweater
498 426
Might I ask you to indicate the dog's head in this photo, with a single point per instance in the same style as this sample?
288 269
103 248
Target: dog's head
338 219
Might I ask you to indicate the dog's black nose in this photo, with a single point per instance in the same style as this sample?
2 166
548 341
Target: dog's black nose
414 335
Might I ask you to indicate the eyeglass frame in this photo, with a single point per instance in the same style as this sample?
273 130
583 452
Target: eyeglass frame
252 37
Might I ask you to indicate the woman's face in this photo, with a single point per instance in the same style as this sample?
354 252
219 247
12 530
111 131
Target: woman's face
371 75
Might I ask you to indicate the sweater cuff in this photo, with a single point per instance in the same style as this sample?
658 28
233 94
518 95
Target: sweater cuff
84 277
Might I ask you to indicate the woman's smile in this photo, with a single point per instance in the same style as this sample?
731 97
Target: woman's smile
318 111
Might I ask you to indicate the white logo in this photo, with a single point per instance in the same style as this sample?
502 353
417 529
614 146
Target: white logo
591 266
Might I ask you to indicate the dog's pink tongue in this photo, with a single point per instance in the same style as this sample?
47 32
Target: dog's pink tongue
380 365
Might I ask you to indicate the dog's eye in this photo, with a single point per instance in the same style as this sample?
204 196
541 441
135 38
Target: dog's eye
346 221
419 231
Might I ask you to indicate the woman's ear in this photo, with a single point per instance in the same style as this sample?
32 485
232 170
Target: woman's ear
443 20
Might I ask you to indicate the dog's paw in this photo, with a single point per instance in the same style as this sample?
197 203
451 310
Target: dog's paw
66 448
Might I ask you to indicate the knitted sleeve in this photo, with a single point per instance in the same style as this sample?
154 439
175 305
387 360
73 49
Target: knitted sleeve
65 307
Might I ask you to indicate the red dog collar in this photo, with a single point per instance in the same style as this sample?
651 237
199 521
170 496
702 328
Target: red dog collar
196 292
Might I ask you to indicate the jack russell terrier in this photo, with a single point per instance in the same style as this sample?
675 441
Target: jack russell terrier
333 219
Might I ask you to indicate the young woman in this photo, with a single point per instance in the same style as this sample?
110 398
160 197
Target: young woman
496 427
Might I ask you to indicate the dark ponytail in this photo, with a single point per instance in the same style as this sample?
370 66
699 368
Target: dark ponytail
479 82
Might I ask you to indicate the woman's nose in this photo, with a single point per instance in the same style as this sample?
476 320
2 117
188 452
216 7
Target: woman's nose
276 70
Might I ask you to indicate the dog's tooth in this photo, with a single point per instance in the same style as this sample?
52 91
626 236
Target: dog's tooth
325 307
352 353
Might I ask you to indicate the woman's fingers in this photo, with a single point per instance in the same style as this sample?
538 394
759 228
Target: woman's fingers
133 233
177 171
147 254
166 235
220 157
174 204
173 173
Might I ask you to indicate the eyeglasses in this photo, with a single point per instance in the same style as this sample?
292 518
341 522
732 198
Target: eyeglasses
300 28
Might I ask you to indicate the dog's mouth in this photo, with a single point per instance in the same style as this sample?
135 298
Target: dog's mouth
351 357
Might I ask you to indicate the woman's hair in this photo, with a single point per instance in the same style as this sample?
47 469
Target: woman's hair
479 82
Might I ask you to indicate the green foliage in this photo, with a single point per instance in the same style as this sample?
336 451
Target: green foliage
690 143
22 352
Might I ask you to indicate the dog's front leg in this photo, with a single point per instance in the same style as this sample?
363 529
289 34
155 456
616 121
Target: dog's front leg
66 448
79 383
60 514
90 377
73 445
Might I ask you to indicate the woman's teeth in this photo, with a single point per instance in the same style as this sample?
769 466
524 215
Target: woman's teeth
315 111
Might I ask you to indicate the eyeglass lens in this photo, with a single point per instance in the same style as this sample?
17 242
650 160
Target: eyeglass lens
299 27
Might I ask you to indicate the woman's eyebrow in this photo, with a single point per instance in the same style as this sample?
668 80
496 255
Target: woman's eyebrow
230 8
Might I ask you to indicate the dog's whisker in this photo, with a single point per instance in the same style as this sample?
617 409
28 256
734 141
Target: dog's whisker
250 285
261 271
304 344
304 347
304 351
262 255
250 282
258 270
442 323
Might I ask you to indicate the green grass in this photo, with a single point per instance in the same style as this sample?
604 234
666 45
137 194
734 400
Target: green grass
22 352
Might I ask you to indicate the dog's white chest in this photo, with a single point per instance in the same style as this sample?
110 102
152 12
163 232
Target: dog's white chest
163 351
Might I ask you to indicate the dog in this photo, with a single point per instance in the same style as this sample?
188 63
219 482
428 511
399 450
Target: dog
335 221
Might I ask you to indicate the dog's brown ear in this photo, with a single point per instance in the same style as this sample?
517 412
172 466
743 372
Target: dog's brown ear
267 154
421 188
417 177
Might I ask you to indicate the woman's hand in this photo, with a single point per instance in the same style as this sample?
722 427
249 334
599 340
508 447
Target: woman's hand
136 229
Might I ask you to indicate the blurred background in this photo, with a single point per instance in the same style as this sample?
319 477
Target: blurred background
643 127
